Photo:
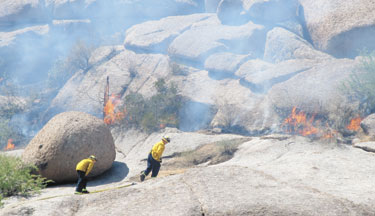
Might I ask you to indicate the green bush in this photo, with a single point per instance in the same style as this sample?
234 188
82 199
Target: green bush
149 122
156 112
16 178
177 69
360 87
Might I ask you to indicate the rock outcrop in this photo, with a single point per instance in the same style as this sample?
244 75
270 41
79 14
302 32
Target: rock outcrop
155 36
314 90
196 44
282 45
269 175
231 12
241 65
250 49
340 29
13 12
366 146
368 125
274 11
65 140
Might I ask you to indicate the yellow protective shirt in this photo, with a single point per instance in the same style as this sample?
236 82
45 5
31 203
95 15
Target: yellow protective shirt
157 150
85 165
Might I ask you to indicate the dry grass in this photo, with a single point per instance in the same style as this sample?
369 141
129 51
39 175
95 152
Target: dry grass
209 154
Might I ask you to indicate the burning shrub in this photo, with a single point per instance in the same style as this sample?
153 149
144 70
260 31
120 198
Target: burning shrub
6 133
305 124
361 84
16 178
326 126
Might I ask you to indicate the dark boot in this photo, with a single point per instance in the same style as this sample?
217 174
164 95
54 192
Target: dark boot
142 176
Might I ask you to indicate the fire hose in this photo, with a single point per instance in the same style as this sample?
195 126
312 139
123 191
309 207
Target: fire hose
63 195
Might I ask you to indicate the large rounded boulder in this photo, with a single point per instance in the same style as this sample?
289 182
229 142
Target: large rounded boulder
65 140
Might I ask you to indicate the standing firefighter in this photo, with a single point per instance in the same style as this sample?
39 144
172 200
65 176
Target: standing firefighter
154 158
83 168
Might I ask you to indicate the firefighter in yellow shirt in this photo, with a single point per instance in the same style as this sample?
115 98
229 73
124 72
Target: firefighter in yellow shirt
154 158
83 168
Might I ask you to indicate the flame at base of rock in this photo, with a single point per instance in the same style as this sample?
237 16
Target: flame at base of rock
10 145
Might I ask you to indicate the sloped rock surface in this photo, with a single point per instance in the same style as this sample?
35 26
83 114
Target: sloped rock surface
270 175
252 66
260 77
155 36
9 38
201 87
65 140
366 146
126 70
224 63
283 45
368 125
341 30
314 89
135 146
231 12
274 11
73 28
196 44
328 168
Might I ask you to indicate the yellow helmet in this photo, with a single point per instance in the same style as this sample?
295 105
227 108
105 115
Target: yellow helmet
93 157
166 139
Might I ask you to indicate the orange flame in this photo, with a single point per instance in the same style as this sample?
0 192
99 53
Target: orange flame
297 123
10 145
111 115
355 124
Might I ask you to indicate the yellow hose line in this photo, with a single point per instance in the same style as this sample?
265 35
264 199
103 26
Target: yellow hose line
51 197
107 189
